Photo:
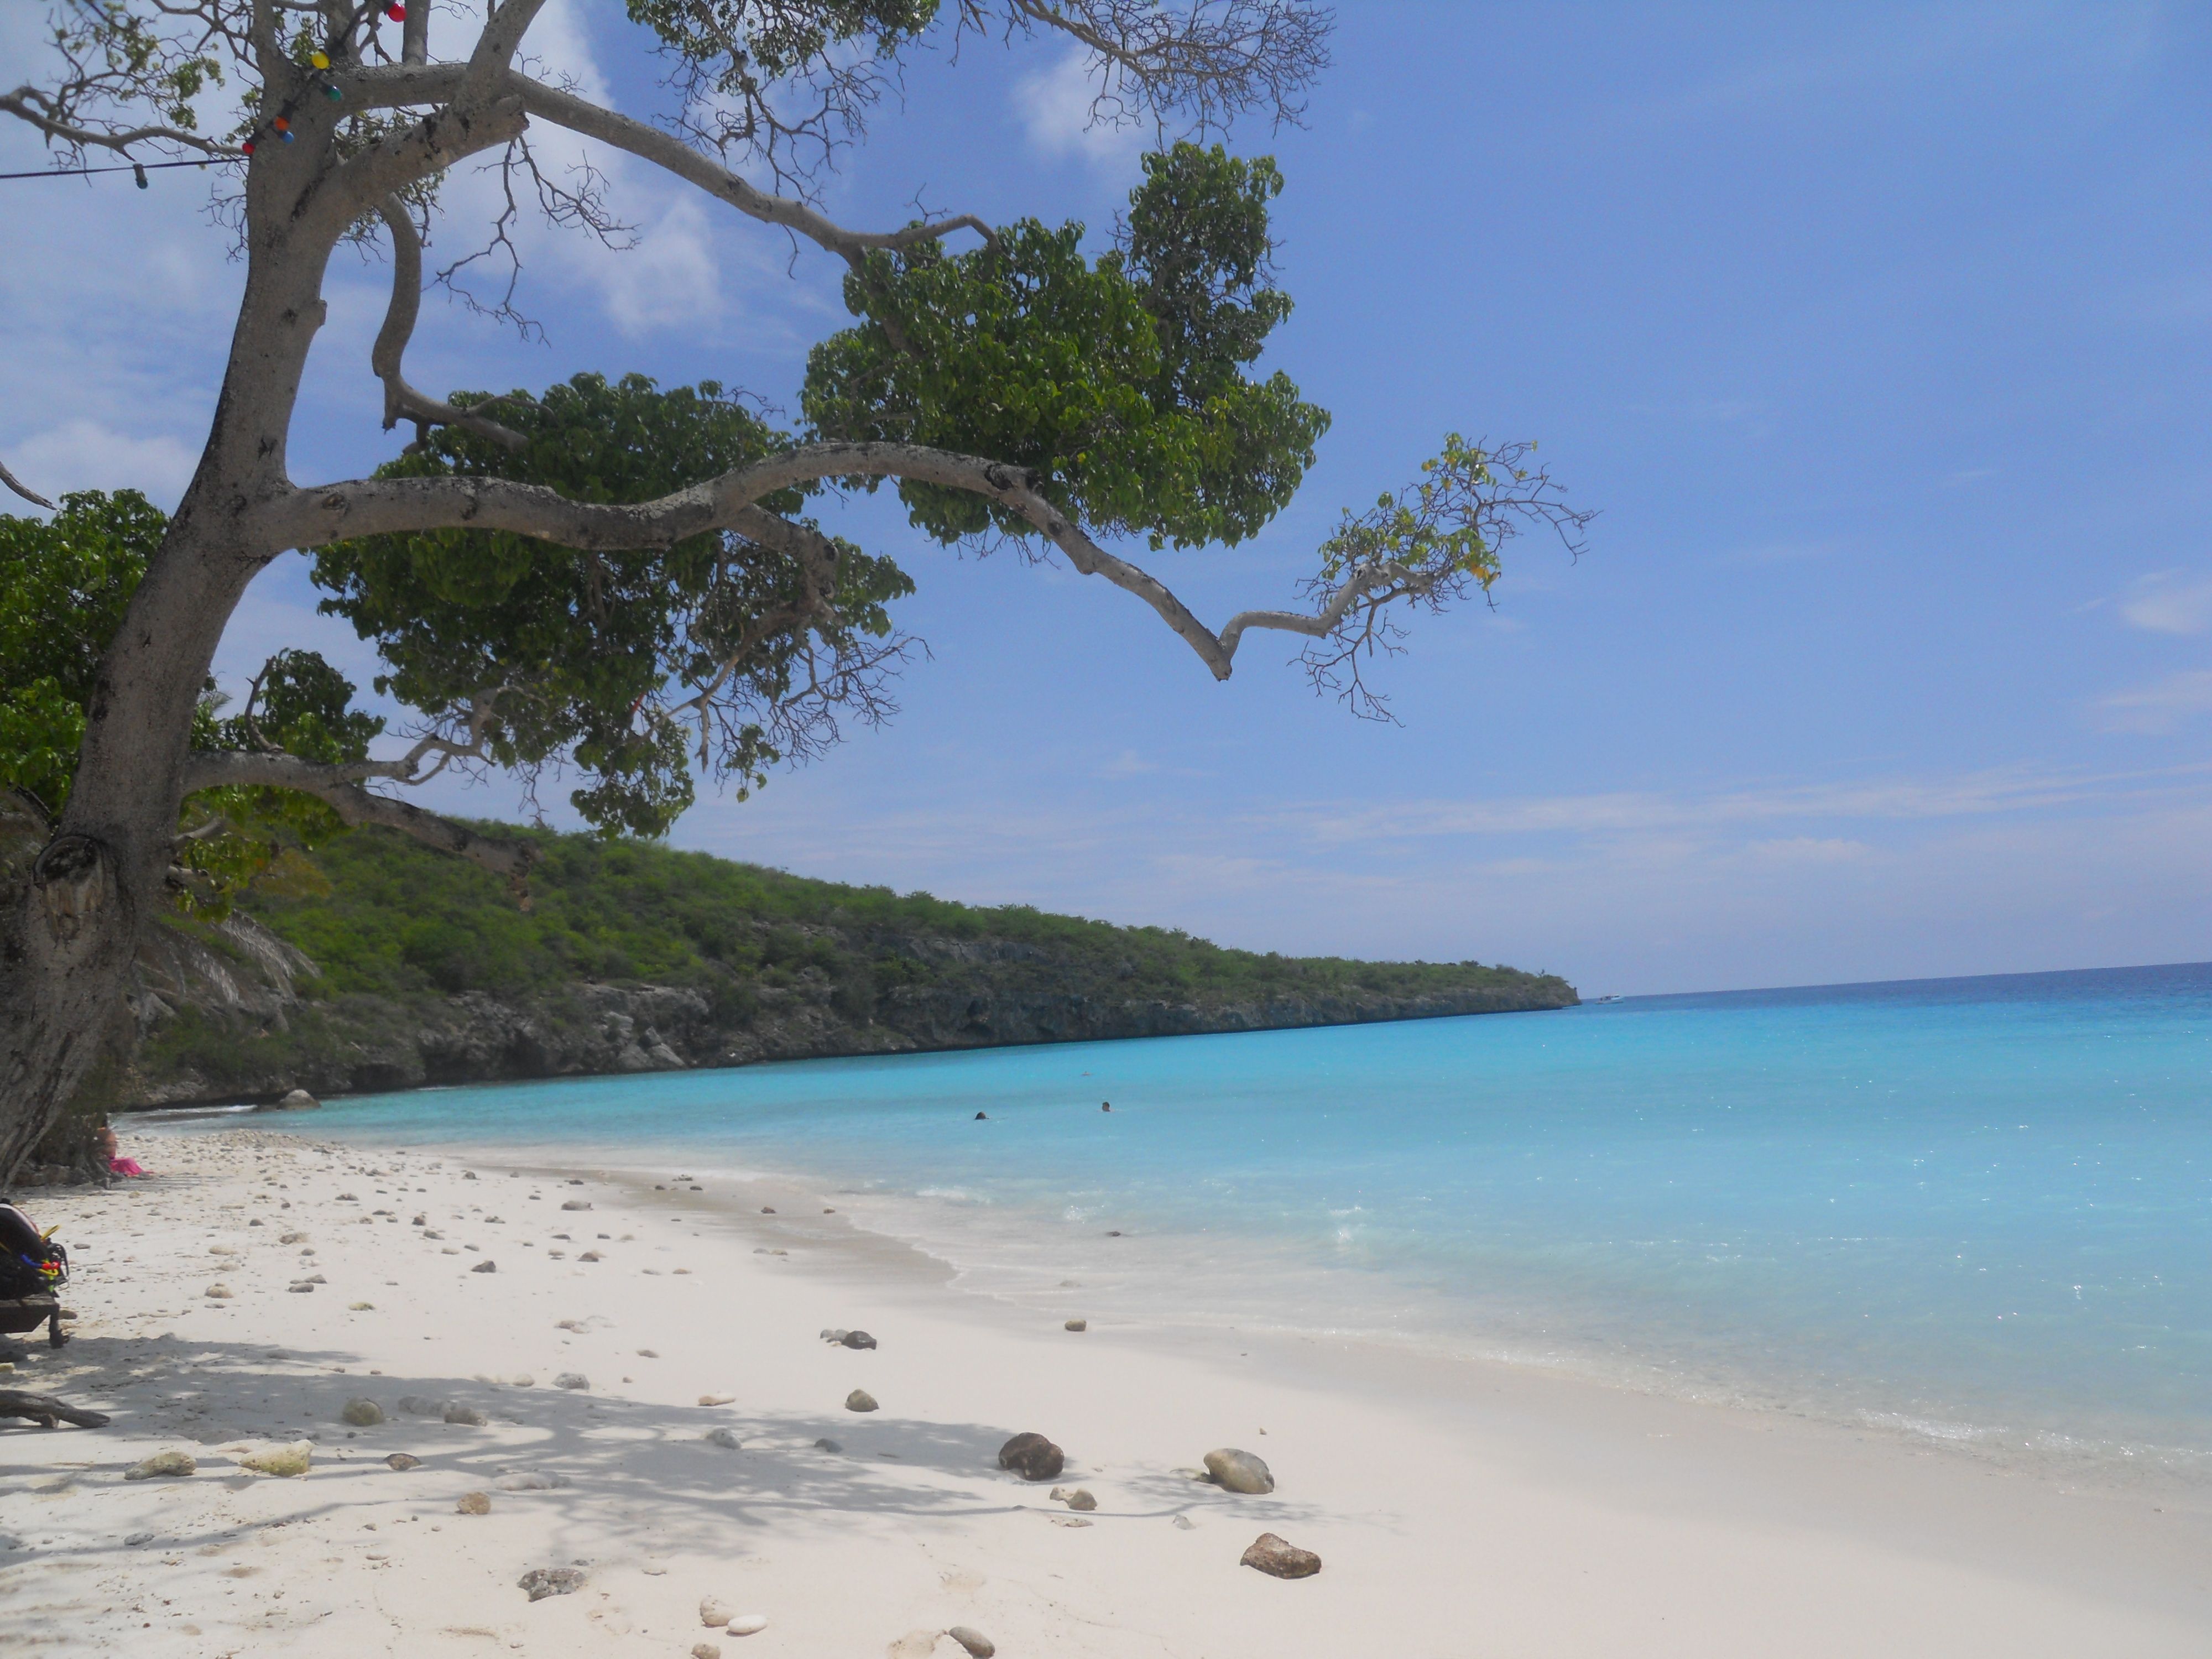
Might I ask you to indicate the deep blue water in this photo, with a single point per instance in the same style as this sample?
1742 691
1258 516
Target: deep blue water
1982 1207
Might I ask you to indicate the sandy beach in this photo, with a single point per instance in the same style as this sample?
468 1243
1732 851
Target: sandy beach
1457 1510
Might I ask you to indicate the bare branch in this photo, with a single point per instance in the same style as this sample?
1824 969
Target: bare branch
670 153
401 400
22 489
339 788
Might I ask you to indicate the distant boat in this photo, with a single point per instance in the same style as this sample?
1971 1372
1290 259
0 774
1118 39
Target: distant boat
1610 999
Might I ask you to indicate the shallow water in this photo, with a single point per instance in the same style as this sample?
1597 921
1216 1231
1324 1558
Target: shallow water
1979 1209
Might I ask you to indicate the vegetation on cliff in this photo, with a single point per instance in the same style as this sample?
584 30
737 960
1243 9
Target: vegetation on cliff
633 954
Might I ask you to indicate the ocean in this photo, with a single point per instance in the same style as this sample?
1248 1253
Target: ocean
1978 1211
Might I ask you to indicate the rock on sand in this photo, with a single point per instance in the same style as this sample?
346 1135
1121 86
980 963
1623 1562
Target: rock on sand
1281 1557
978 1645
476 1503
860 1401
1031 1456
161 1463
747 1624
363 1414
542 1582
724 1436
287 1460
1238 1471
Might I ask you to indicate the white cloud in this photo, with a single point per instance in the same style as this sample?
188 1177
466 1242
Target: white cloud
1057 108
2159 706
83 454
2169 602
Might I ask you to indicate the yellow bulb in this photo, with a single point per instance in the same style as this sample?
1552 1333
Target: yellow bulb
319 59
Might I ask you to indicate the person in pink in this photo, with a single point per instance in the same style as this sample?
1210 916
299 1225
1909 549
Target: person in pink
117 1165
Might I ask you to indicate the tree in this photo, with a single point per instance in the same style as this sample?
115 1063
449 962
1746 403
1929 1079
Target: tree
627 581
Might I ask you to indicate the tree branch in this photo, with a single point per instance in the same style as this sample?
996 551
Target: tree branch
671 153
401 400
25 103
309 518
339 788
21 489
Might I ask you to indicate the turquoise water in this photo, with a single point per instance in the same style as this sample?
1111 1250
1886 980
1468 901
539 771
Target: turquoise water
1975 1209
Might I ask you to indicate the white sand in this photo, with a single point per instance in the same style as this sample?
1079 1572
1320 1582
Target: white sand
1458 1510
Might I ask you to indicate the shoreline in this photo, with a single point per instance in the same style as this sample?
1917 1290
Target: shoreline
1456 1509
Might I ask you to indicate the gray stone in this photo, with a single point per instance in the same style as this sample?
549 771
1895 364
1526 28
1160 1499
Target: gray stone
860 1401
487 1266
725 1436
1238 1471
217 1292
1031 1456
1281 1557
577 1204
1077 1325
295 1100
858 1339
403 1461
979 1645
571 1380
829 1446
363 1414
542 1582
467 1416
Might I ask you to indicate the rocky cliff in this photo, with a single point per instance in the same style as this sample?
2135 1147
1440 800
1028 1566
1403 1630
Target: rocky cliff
384 968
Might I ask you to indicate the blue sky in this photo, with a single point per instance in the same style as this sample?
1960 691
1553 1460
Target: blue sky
1881 336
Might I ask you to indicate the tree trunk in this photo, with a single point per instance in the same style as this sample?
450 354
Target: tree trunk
69 933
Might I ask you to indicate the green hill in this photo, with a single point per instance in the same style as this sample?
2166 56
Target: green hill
376 964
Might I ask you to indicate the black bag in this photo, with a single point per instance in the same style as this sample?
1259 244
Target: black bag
31 1265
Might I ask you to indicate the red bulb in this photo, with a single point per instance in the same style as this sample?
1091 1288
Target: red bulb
247 147
397 13
283 124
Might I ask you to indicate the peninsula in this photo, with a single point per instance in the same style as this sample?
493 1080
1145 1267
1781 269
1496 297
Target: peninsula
374 964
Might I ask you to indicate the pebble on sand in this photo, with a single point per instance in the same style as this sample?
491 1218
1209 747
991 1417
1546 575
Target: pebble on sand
714 1611
978 1645
571 1380
360 1306
1075 1498
1281 1557
161 1463
1077 1325
404 1460
747 1624
577 1204
467 1416
219 1293
487 1266
860 1401
858 1339
830 1446
362 1414
283 1461
724 1436
716 1399
1031 1456
1238 1471
542 1582
705 1650
476 1503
